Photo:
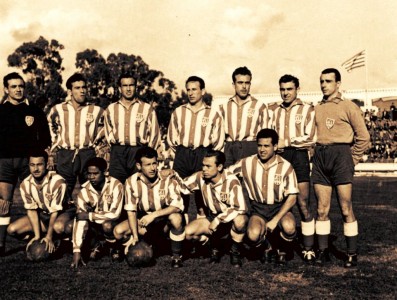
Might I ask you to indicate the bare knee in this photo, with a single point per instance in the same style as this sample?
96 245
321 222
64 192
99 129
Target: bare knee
12 229
176 220
107 227
240 223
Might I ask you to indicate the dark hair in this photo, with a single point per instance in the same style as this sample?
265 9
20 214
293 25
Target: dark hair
39 153
147 152
98 162
126 75
268 133
220 157
288 78
13 75
196 78
74 78
338 77
241 71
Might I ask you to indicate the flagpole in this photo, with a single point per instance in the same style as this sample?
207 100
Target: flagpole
366 80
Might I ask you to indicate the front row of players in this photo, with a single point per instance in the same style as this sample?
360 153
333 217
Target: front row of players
153 206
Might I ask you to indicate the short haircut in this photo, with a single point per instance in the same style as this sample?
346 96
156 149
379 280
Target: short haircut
98 162
147 152
338 77
74 78
13 75
268 133
39 153
194 79
220 157
126 75
289 78
241 71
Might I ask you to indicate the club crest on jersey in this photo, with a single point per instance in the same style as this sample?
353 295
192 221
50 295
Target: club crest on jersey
205 121
251 112
277 179
162 194
108 198
139 117
29 120
49 196
298 118
224 196
329 123
90 117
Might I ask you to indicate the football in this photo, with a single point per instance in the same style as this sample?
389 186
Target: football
37 252
140 255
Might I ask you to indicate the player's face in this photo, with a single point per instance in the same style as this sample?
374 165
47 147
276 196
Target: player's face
15 89
210 169
266 150
127 88
329 85
242 85
194 92
148 167
37 167
288 92
78 92
96 177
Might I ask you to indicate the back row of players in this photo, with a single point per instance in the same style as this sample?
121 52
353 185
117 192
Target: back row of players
267 149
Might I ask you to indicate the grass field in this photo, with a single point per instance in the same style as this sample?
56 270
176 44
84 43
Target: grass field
375 205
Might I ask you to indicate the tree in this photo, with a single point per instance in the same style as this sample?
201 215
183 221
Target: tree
41 61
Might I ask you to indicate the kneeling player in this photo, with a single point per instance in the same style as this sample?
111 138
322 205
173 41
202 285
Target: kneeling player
99 205
223 196
42 193
273 188
154 206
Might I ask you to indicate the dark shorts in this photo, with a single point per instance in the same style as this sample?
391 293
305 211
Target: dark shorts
122 161
234 151
299 159
332 165
265 211
12 169
188 161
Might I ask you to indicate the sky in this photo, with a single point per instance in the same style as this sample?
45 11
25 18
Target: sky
212 38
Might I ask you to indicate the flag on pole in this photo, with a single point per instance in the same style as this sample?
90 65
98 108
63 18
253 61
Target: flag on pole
357 61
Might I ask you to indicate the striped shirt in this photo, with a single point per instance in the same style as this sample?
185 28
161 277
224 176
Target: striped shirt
224 199
295 124
194 129
243 122
141 195
132 126
47 196
74 129
267 183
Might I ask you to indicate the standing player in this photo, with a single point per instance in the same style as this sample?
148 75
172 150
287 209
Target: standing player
154 207
342 138
194 129
243 117
272 188
99 205
129 125
23 128
294 123
76 127
223 196
43 194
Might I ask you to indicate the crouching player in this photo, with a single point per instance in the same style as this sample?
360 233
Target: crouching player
42 193
223 196
272 187
99 205
154 207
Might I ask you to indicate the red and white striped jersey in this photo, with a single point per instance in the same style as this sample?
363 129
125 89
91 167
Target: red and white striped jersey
295 125
141 195
132 126
195 129
243 122
224 199
267 183
48 196
75 128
